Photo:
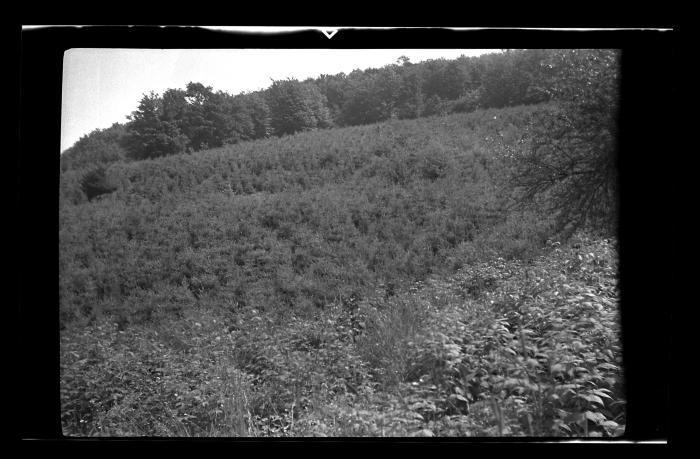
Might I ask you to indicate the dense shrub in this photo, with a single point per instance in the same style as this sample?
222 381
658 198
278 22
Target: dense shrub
498 348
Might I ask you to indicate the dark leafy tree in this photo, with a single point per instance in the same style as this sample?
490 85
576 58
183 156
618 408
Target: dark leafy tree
175 106
503 83
409 100
220 118
101 146
249 117
259 114
450 81
469 102
475 71
532 64
372 96
434 105
239 120
432 77
403 61
205 117
515 77
296 106
386 88
360 107
149 134
443 81
566 162
201 116
335 89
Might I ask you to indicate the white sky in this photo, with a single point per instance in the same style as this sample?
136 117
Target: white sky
103 86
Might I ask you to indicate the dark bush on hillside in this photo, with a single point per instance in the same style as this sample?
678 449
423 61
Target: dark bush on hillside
467 103
95 184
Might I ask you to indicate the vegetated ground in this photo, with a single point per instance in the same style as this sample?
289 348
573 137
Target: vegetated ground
363 281
499 348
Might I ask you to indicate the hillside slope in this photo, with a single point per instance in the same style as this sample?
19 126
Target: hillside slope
364 281
292 222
